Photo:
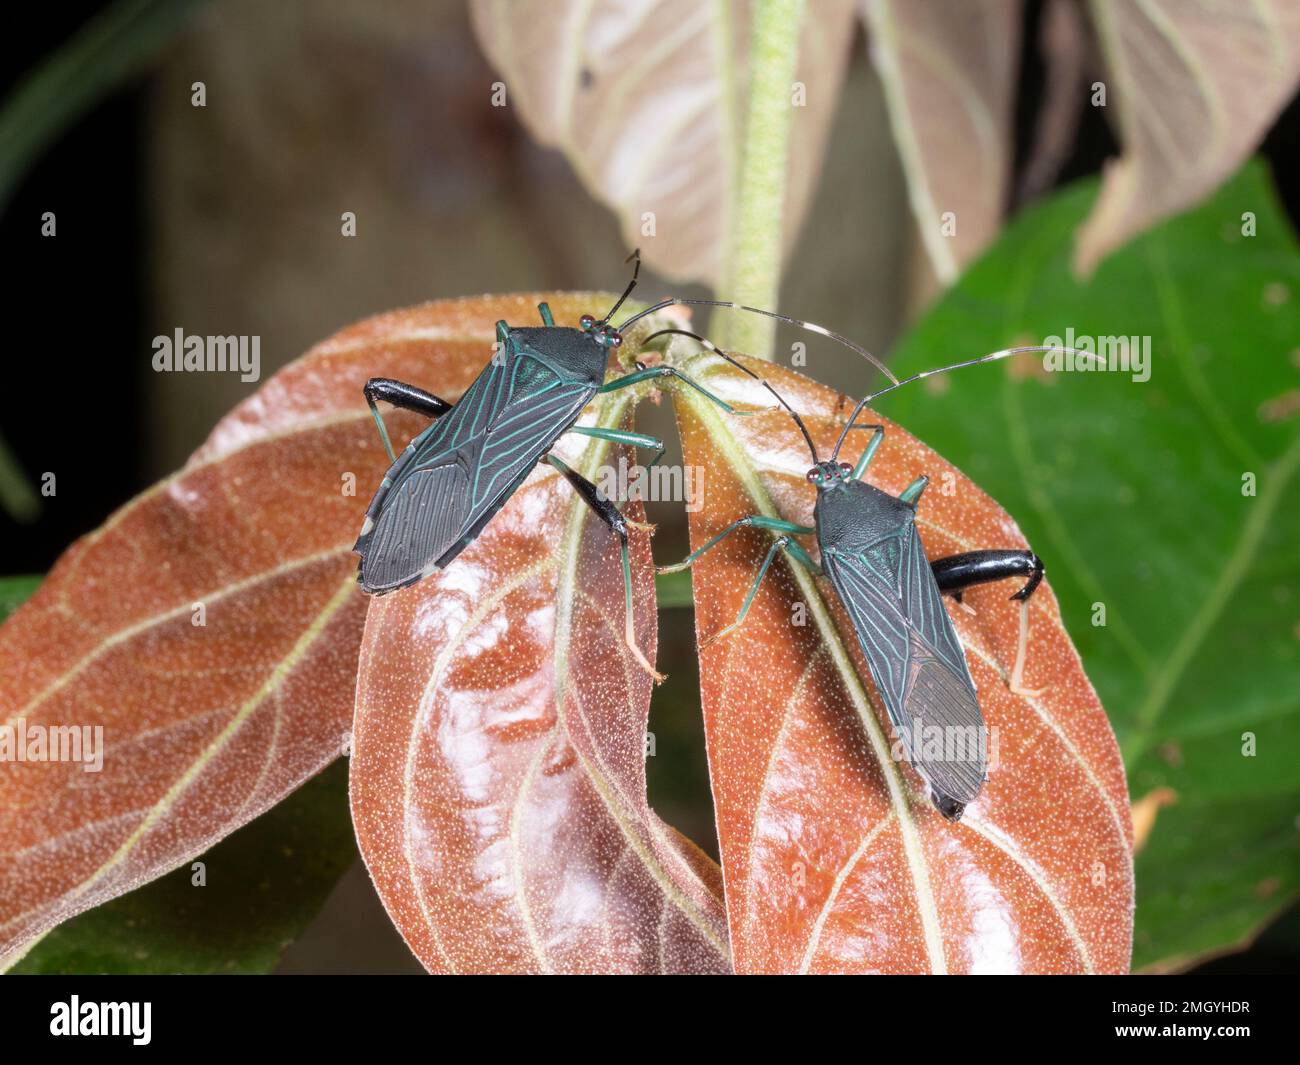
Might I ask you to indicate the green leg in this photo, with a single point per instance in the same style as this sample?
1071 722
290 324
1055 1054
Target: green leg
780 543
383 430
609 514
637 376
544 309
913 491
405 397
795 551
865 459
756 521
777 544
620 436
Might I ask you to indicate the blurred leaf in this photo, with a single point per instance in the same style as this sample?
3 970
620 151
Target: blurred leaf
498 780
1193 88
205 726
620 87
835 860
106 50
1133 495
674 590
17 497
14 591
265 883
949 73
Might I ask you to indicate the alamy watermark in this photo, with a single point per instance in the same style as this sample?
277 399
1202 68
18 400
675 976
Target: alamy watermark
922 744
53 743
179 353
1116 354
133 1020
658 484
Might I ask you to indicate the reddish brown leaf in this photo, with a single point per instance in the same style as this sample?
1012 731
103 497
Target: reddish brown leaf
834 858
205 727
498 774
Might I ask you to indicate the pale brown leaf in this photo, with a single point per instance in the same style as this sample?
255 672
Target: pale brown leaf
207 725
949 72
646 100
1193 86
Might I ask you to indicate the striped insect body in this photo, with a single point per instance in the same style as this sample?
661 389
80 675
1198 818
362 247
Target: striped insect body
460 471
874 559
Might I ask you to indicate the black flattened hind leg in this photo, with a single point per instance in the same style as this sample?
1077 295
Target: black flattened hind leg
605 510
958 572
400 394
408 397
613 517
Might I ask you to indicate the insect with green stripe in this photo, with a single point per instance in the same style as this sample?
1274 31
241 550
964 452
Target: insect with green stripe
459 472
875 563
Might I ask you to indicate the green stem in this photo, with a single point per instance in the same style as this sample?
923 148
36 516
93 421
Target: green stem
754 266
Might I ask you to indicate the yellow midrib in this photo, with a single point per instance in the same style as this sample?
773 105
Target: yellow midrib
346 589
722 439
571 541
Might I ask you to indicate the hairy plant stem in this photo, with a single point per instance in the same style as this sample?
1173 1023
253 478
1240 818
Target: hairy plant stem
753 273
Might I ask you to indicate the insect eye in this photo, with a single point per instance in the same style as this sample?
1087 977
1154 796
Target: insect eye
586 321
612 338
846 468
814 475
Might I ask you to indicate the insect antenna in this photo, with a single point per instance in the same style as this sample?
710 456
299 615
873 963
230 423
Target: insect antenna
993 356
811 327
745 369
636 272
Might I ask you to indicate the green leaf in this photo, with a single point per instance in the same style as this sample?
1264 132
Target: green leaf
14 591
1135 495
265 883
674 590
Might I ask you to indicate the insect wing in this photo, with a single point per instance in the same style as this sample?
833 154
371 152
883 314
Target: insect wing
916 660
460 471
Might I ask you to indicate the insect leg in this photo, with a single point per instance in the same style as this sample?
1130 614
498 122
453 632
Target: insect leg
669 371
792 548
958 572
610 515
620 436
913 491
400 394
777 544
869 453
795 551
757 521
544 309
